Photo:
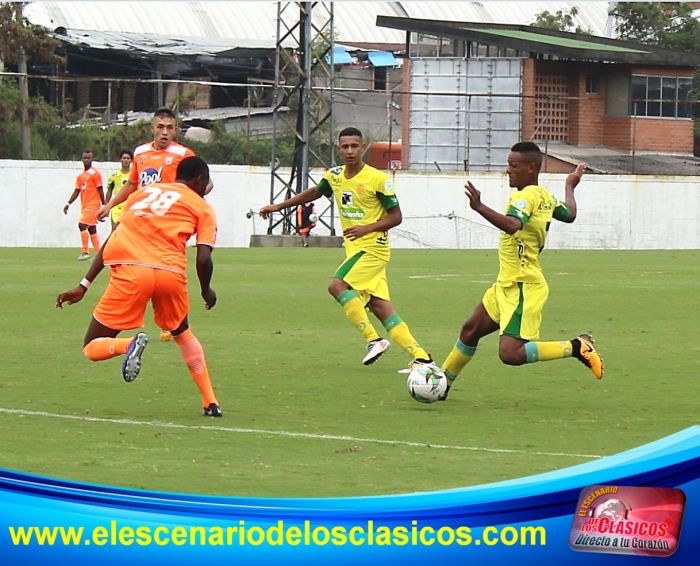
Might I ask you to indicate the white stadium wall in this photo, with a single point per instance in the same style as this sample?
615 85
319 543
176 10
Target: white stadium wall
615 211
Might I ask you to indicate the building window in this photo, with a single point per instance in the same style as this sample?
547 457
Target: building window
592 84
380 75
662 97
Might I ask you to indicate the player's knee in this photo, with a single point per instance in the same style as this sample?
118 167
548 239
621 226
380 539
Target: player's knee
336 287
92 229
512 356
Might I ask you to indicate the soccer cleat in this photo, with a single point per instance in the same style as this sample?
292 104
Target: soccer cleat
588 355
83 256
165 336
443 397
132 361
375 349
213 410
415 362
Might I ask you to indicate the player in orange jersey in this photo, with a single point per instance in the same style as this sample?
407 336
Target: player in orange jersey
146 254
89 186
154 162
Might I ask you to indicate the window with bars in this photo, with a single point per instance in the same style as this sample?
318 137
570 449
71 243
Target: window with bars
662 97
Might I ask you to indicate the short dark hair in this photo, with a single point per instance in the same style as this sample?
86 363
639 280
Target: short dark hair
127 151
530 152
164 112
349 132
88 151
190 168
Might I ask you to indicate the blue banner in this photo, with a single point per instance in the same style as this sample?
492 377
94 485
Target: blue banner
531 520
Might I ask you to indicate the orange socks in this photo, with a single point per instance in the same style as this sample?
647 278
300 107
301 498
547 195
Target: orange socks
95 239
84 239
105 348
193 354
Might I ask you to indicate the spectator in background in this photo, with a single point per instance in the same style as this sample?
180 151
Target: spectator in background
306 221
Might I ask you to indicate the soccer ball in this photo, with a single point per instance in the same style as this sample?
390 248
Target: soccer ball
313 217
426 383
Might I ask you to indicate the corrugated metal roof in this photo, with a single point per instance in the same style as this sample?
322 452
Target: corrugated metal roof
353 22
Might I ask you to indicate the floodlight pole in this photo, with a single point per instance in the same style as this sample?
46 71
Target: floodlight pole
303 57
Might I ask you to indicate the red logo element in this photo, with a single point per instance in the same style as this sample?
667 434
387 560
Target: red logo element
614 519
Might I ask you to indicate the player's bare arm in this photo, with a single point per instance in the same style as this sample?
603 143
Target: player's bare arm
100 191
72 198
572 182
392 219
76 294
509 224
205 270
123 194
302 198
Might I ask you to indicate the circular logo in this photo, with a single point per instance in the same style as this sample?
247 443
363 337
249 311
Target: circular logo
520 204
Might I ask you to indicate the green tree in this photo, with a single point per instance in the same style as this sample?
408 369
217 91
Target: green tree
560 21
666 24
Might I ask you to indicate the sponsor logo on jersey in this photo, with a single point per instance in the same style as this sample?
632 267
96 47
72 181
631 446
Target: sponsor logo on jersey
520 203
346 198
336 170
150 176
352 213
388 186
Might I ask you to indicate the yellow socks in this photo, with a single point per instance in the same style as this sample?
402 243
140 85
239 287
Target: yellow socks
399 333
545 351
459 357
355 311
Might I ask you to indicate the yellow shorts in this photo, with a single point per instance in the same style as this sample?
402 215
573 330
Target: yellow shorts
517 308
116 212
131 287
366 274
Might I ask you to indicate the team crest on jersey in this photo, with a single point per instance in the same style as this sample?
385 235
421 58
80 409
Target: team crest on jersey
168 160
346 198
142 159
360 189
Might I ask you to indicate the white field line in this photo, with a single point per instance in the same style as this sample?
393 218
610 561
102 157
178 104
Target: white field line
285 433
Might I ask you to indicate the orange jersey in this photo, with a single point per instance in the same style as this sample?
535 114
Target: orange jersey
157 165
87 183
156 224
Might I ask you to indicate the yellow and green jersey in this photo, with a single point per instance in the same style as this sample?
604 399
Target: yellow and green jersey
115 182
519 254
362 200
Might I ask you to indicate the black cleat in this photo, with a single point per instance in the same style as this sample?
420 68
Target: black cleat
443 397
212 410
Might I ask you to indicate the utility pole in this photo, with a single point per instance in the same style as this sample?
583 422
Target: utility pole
24 93
298 74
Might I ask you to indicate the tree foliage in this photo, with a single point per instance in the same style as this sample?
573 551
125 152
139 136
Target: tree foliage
560 21
665 24
17 35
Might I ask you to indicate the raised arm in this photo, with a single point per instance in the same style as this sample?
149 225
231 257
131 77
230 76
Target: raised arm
568 213
302 198
123 194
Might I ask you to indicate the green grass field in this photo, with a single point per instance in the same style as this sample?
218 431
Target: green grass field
303 417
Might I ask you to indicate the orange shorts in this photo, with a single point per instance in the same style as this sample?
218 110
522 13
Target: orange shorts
123 305
88 217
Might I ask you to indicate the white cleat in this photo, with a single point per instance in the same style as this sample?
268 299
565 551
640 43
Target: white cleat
375 349
132 361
